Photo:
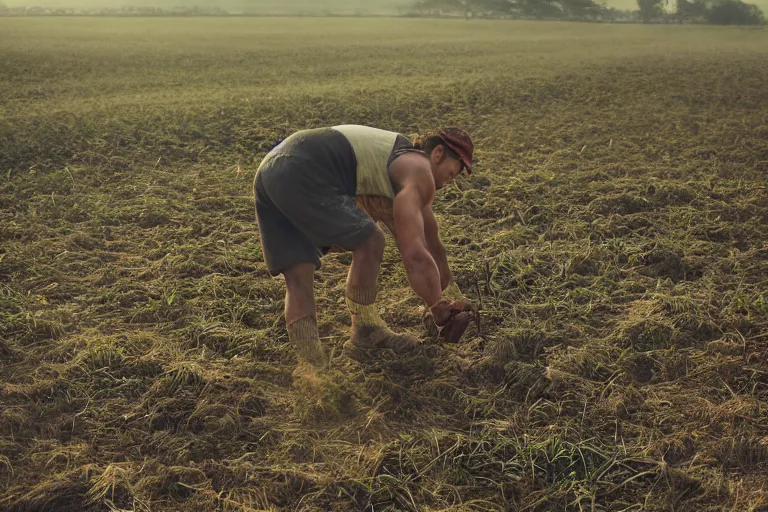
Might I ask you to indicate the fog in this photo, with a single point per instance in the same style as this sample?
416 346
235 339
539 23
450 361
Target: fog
266 6
363 7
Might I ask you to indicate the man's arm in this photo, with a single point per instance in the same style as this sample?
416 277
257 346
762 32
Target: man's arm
420 266
436 247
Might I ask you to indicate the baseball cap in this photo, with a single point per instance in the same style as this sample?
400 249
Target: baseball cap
461 144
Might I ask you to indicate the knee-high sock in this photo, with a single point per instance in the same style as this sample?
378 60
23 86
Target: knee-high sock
361 302
303 335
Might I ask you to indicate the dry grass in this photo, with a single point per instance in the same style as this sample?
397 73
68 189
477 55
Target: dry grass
614 234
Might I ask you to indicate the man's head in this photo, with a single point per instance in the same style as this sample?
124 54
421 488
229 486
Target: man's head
450 153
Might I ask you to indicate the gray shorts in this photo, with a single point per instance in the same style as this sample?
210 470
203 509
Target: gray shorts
305 200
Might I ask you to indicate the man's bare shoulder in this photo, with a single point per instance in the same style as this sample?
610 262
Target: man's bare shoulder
411 168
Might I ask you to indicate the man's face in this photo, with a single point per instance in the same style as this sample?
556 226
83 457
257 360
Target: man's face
446 165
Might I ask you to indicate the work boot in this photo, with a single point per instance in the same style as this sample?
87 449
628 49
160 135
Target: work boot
305 340
370 333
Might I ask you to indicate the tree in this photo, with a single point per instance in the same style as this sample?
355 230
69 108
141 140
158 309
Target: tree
692 10
541 9
735 12
495 6
580 9
439 5
650 9
533 8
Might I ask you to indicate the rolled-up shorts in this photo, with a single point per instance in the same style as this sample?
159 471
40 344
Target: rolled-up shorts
305 200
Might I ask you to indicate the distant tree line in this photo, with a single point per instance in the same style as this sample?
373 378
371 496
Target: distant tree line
127 10
720 12
535 9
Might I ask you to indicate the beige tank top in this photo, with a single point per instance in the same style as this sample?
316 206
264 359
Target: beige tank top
374 191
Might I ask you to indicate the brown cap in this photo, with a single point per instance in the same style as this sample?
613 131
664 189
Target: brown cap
460 142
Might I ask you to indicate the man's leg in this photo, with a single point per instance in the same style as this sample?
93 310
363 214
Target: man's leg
299 294
363 274
300 315
289 252
368 329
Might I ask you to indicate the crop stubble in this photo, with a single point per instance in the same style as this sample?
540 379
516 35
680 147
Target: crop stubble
614 234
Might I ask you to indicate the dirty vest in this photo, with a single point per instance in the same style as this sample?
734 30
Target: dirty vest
373 149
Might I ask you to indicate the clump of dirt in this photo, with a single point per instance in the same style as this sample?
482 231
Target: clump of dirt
660 262
642 369
621 204
645 335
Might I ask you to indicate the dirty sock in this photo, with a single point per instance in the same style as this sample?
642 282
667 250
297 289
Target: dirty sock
361 303
368 328
304 338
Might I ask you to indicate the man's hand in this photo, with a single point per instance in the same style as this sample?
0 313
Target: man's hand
451 318
443 311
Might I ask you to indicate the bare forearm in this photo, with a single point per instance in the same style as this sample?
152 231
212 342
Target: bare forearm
424 276
441 259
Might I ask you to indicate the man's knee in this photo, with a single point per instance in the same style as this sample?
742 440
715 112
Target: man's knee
300 275
373 247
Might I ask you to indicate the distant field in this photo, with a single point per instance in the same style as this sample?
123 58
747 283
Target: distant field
288 6
614 234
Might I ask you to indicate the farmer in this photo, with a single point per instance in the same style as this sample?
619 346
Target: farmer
325 189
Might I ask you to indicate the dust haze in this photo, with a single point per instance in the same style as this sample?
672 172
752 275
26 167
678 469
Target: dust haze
265 7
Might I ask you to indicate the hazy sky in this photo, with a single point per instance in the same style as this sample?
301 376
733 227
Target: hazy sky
233 5
274 6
